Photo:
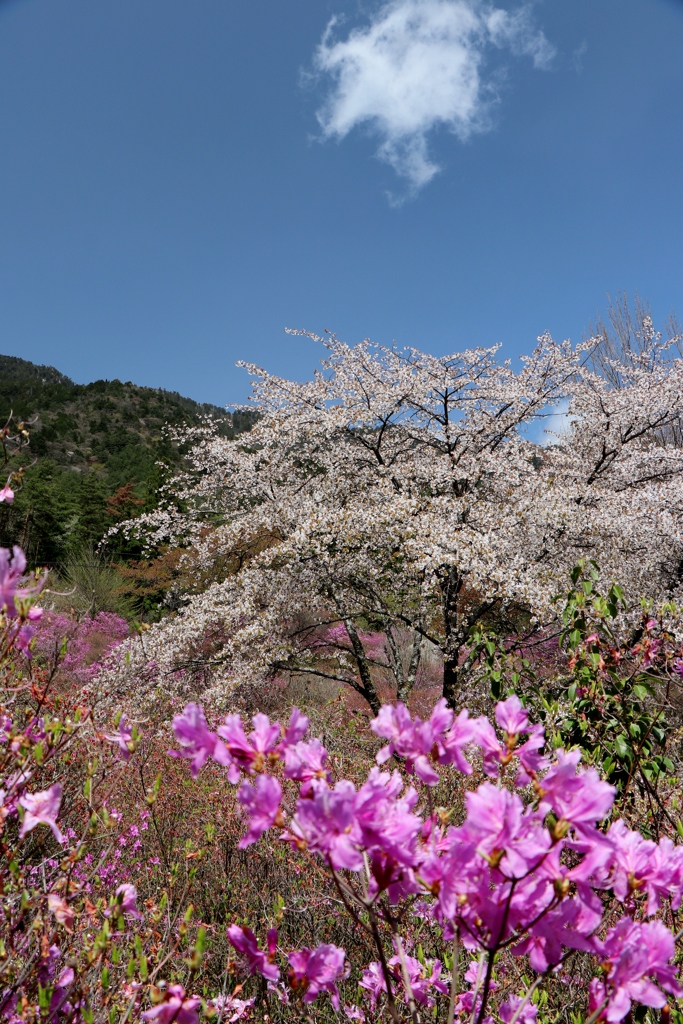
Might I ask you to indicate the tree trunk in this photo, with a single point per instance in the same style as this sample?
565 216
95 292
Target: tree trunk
409 681
404 682
451 682
367 684
451 586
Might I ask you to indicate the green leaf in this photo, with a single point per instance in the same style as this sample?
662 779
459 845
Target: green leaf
622 748
44 997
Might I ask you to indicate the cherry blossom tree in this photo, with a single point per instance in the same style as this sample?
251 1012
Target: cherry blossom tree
407 500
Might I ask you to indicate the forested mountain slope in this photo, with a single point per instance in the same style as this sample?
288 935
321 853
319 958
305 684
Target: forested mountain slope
93 453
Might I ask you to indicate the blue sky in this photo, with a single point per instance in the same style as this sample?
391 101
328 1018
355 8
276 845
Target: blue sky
182 179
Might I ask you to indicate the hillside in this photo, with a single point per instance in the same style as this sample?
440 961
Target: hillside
93 453
108 424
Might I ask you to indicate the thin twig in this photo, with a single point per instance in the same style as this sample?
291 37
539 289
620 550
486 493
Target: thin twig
455 976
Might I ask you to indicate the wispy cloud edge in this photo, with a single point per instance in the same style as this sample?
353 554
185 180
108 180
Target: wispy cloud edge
417 66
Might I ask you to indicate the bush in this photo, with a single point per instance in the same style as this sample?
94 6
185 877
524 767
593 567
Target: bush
486 877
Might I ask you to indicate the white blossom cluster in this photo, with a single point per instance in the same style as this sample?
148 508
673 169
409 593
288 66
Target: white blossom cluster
399 493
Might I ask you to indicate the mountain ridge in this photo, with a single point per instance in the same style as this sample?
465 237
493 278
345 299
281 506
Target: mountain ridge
89 444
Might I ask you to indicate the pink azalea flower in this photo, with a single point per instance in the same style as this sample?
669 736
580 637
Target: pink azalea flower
441 718
579 798
502 831
326 823
64 914
413 740
199 743
313 971
562 774
570 926
249 753
504 876
59 1002
493 817
462 734
529 755
265 735
637 955
23 638
421 980
634 867
242 754
123 738
305 762
354 1013
48 966
231 1008
42 809
126 895
256 961
665 875
466 1006
510 1007
651 649
491 748
386 821
262 805
177 1008
12 569
297 728
511 716
373 982
392 723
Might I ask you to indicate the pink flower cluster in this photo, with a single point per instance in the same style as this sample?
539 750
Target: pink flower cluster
526 871
442 739
311 971
88 641
176 1008
423 978
16 599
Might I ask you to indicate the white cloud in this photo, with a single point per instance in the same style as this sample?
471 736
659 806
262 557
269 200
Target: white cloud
516 30
578 55
418 66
